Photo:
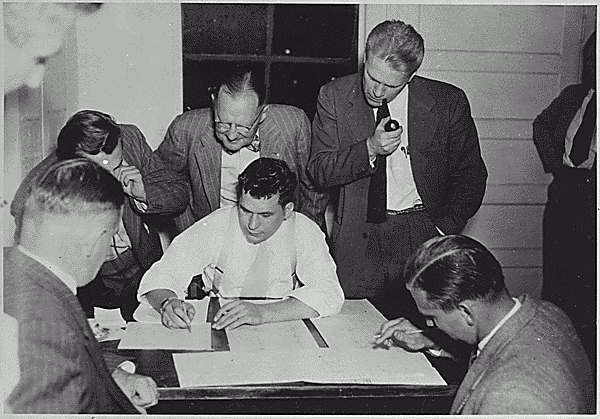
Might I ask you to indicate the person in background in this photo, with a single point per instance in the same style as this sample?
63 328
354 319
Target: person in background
259 248
151 189
71 213
527 356
212 146
565 137
396 188
33 32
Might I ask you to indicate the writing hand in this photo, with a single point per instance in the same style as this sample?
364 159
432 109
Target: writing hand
403 333
177 314
237 313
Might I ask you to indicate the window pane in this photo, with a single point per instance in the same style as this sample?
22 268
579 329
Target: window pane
201 77
317 30
224 28
298 83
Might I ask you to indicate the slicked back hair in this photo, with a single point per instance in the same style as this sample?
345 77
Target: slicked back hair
241 79
452 269
88 132
75 186
266 177
398 44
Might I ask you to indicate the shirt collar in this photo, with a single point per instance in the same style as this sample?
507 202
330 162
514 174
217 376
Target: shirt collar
485 340
65 278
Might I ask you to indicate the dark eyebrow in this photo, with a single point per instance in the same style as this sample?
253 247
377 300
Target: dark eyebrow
261 213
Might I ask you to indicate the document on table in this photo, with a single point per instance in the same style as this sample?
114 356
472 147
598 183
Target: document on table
291 335
156 336
146 314
354 328
359 366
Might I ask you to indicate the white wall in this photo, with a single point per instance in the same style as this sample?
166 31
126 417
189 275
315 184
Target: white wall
129 64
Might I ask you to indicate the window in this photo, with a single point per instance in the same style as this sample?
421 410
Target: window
299 47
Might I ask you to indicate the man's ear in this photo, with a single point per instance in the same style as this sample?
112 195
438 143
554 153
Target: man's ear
288 210
467 310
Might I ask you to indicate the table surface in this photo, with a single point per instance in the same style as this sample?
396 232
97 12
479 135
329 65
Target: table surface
294 397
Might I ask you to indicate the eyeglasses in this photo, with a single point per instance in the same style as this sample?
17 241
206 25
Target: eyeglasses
244 130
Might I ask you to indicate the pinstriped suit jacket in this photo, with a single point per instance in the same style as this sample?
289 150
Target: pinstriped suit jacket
166 193
62 369
191 147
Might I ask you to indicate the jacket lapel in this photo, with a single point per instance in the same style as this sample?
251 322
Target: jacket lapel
208 159
359 115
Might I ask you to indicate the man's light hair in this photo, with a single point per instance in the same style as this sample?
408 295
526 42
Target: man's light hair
398 44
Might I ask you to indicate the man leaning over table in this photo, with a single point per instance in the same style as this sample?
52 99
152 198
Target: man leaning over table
260 248
527 357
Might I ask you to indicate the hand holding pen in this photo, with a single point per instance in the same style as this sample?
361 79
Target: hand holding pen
403 333
177 314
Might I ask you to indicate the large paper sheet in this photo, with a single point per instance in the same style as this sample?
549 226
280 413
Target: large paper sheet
361 366
354 328
146 314
291 335
157 336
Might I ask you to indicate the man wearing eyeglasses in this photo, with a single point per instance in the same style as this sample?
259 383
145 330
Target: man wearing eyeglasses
212 146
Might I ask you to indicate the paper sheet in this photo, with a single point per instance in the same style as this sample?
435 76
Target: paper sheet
146 314
291 335
157 336
362 366
354 328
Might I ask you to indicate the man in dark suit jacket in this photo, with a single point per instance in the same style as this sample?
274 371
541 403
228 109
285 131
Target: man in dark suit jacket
152 190
215 144
527 358
565 137
433 175
71 213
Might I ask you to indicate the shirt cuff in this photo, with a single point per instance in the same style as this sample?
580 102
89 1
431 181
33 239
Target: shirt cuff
435 352
141 206
439 231
127 366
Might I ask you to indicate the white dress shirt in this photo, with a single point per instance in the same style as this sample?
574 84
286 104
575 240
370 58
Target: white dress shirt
196 251
572 130
486 339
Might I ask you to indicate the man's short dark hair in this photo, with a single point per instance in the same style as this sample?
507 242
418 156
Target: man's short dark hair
87 132
240 78
75 186
266 177
452 269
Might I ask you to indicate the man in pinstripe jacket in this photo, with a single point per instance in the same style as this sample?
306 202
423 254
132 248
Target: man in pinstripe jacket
71 213
212 146
151 189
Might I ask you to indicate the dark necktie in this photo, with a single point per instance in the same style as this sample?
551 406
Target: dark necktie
377 197
583 138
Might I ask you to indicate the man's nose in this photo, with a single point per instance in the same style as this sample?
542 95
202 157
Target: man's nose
232 133
379 90
253 222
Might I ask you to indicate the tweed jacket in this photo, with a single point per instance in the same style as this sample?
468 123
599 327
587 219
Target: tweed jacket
550 127
447 167
534 364
191 147
62 369
166 193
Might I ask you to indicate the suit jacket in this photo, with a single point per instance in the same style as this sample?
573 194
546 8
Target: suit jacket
191 147
534 364
447 167
550 127
61 366
166 193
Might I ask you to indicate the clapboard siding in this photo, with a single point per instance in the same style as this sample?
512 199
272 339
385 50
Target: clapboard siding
511 61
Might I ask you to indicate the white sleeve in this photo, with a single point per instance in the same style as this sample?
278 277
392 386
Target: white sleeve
187 256
316 269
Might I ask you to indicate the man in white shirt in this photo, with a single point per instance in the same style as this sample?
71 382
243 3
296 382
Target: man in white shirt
71 213
260 248
528 358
